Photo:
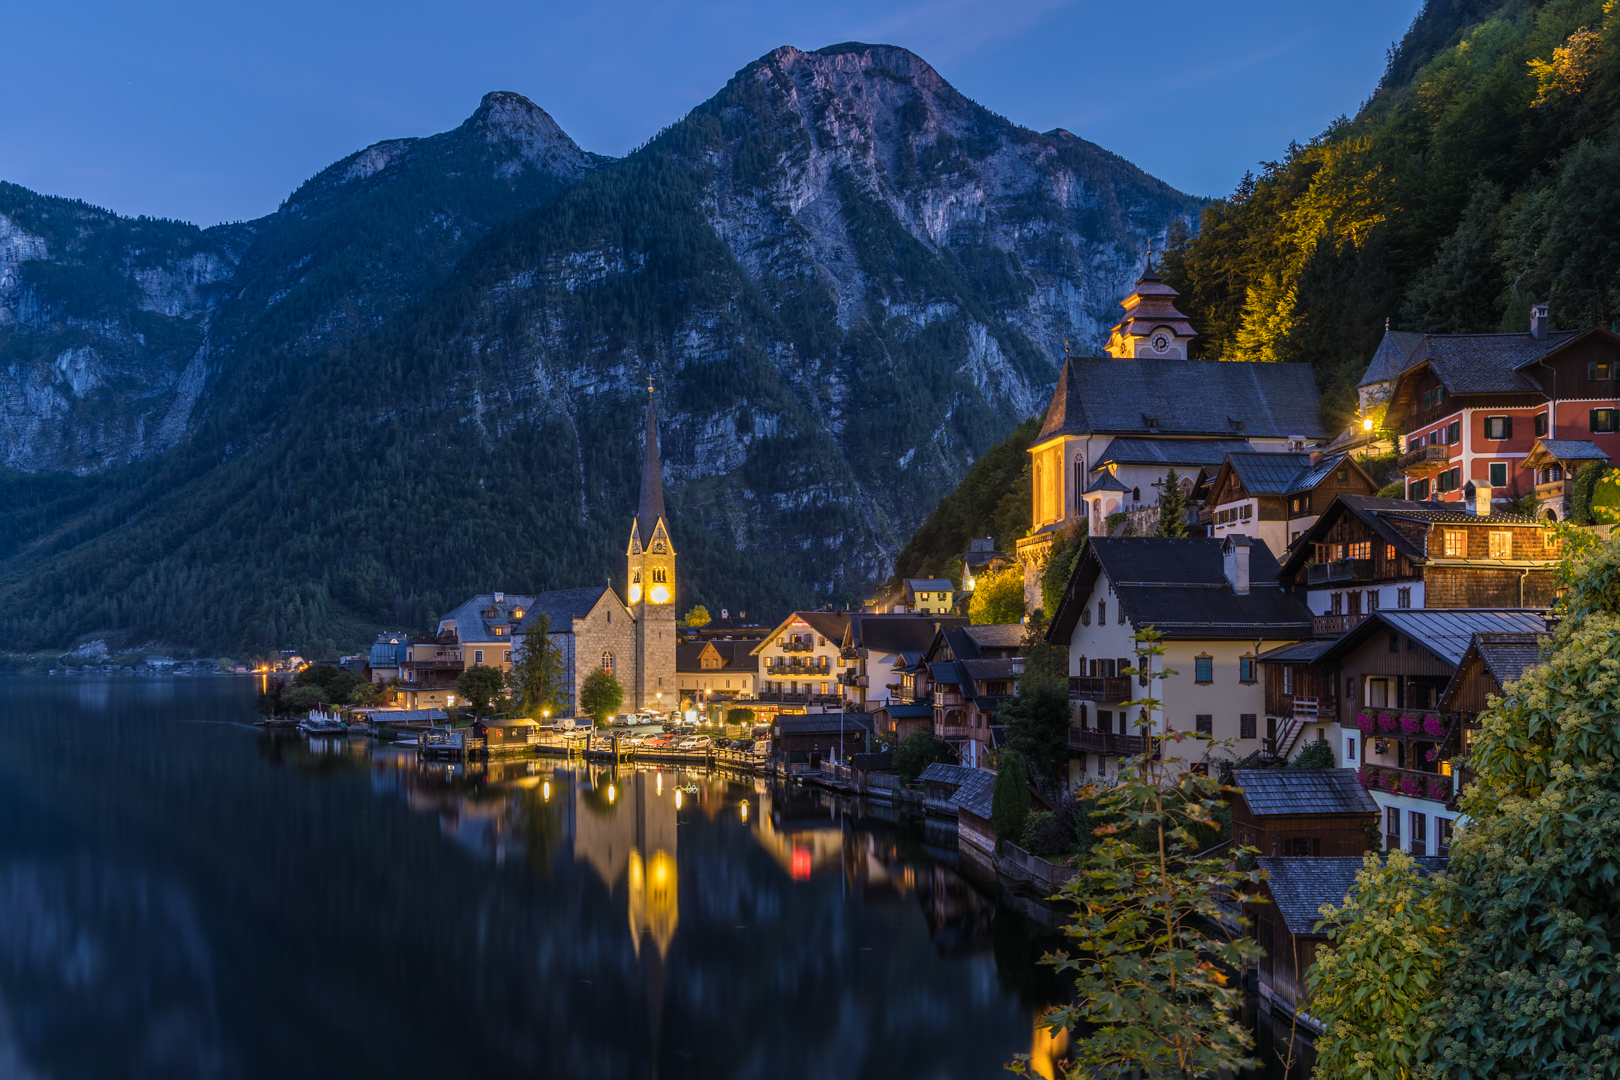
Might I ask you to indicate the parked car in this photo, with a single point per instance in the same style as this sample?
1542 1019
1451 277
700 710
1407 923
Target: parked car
742 744
622 720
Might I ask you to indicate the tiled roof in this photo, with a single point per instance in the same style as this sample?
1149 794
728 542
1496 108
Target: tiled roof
735 656
561 606
824 723
979 670
1297 652
1179 586
976 793
944 672
1299 886
1507 655
897 633
1099 395
1303 791
1445 632
908 711
1191 453
997 635
1374 511
1574 450
1452 516
941 773
1393 355
1486 363
932 584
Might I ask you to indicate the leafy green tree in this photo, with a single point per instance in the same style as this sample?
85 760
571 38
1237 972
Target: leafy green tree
1037 720
538 680
298 699
740 717
1537 992
698 616
916 752
332 684
1009 800
1582 491
1153 941
1317 754
480 686
1173 506
601 695
998 597
1377 988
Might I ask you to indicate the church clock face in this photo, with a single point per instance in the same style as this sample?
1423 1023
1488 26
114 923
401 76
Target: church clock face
1161 342
659 547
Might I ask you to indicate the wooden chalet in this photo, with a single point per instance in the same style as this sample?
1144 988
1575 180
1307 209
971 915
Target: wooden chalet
1492 662
1277 497
1368 554
507 735
901 720
1301 812
806 739
1301 697
1284 920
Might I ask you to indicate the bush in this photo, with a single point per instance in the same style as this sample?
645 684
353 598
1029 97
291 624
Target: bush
916 753
1317 754
1009 803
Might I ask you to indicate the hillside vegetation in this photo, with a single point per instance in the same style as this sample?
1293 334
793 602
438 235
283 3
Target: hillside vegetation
1481 176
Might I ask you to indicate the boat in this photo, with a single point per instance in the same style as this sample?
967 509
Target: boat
323 722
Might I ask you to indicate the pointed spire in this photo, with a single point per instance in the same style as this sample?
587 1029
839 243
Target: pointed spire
652 476
1066 413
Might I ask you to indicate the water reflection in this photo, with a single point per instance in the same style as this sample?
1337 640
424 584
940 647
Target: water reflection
184 896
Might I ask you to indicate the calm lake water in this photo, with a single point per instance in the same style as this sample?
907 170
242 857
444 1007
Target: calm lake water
184 896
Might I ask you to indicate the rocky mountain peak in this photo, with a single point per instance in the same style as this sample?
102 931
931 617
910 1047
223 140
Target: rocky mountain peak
506 117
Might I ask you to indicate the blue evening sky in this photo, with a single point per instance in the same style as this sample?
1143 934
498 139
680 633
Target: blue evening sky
212 111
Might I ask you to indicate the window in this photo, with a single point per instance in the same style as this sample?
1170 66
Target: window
1246 725
1403 596
1498 474
1337 600
1354 596
1344 474
1454 433
1136 494
1372 600
1453 543
1105 720
1288 678
1498 427
1418 491
659 573
478 656
1361 549
1414 443
1541 430
1102 612
1501 544
1442 836
1246 669
1420 832
506 656
1450 480
1392 826
1434 437
1597 371
1605 420
1204 723
607 662
1204 669
1085 616
1350 748
1433 397
1389 552
1120 614
1121 665
1394 643
1246 512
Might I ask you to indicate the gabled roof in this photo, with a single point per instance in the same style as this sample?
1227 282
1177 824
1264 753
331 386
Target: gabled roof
895 633
734 656
1379 514
941 773
933 584
976 793
1106 481
1393 355
1300 886
997 635
1547 451
1101 395
1297 653
1443 632
1282 474
1187 453
979 670
1179 586
851 723
1485 363
828 624
1303 791
908 710
945 672
561 606
1504 656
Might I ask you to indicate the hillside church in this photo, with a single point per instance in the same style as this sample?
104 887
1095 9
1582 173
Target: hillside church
1117 424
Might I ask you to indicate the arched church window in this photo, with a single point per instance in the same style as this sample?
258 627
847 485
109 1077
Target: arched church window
658 573
635 578
1136 494
607 662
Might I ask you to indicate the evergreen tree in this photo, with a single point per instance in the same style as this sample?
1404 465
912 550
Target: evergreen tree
1009 800
1173 505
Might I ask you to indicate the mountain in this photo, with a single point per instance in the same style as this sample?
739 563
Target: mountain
423 373
1481 176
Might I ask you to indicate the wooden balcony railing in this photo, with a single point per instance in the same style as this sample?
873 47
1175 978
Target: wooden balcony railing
1334 625
1409 782
1423 457
1339 570
1092 741
1090 688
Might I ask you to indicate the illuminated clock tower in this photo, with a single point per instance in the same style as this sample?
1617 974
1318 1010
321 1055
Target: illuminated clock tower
651 564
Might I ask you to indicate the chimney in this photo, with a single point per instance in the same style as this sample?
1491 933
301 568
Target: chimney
1482 500
1538 321
500 598
1316 458
1235 556
724 614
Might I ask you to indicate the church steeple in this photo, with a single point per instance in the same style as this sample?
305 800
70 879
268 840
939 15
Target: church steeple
1152 326
651 508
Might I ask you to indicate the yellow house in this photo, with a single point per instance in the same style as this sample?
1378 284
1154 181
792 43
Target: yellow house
928 596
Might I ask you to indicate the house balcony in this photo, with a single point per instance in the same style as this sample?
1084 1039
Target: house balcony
1433 787
1333 625
1339 570
942 699
797 646
862 681
1087 688
783 671
1092 741
1557 489
784 698
433 665
952 731
1424 458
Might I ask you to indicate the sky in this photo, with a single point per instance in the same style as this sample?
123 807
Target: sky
215 111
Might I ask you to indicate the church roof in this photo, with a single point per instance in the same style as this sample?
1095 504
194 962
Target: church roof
1152 303
473 622
1391 357
651 507
1193 453
1233 399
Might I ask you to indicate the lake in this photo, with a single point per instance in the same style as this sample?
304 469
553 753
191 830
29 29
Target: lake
185 896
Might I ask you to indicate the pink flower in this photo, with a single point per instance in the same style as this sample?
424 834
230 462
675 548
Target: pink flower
1368 777
1411 785
1365 722
1386 721
1410 725
1431 727
1439 789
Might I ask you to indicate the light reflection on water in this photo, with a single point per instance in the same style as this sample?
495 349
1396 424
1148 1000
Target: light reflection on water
186 896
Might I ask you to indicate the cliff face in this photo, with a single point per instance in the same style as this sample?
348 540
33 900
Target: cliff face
421 375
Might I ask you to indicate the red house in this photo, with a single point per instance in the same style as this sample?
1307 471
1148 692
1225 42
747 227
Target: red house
1472 406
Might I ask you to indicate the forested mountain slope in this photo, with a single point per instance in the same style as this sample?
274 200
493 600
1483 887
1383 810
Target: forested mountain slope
1483 175
846 280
